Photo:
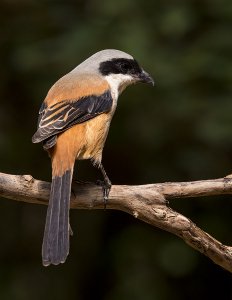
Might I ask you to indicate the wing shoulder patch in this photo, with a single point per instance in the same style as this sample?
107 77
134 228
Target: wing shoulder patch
65 114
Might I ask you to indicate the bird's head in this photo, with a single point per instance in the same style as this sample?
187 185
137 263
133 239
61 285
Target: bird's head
117 67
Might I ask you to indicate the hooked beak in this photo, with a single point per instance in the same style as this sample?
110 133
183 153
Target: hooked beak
145 78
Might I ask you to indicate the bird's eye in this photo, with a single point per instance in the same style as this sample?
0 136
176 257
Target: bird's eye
125 67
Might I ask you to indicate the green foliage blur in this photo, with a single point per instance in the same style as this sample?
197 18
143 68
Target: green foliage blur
178 131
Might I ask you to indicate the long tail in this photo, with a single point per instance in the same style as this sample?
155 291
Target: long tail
55 247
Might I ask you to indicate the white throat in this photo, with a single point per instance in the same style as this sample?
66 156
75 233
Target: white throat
118 82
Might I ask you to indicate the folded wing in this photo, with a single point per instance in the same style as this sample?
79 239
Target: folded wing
65 114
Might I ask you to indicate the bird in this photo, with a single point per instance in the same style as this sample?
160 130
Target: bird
73 124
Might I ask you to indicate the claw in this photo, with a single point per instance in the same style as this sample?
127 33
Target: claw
106 186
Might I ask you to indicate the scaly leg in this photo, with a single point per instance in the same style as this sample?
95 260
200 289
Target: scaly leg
106 184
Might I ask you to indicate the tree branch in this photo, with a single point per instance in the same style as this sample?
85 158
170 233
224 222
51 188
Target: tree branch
148 203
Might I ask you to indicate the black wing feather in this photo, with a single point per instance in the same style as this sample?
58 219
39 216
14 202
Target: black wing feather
65 114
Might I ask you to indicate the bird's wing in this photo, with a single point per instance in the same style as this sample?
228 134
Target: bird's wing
63 115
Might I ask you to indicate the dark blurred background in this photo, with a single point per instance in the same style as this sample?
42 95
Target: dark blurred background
178 131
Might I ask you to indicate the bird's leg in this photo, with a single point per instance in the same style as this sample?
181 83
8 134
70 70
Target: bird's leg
106 184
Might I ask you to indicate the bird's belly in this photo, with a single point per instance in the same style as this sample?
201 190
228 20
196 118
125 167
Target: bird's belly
96 131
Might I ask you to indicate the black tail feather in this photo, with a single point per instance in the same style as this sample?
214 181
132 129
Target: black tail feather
55 247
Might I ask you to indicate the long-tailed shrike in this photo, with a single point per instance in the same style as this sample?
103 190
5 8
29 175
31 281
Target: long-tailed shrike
73 124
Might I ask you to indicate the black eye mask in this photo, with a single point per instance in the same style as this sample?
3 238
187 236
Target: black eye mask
120 66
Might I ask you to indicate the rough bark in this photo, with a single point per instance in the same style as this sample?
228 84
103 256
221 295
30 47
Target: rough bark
148 203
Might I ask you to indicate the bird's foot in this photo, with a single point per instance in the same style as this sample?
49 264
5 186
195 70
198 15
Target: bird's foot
106 186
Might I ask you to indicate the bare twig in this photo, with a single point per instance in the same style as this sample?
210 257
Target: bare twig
145 202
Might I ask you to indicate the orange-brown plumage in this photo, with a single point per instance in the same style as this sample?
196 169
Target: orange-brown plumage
85 140
82 141
74 87
63 154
